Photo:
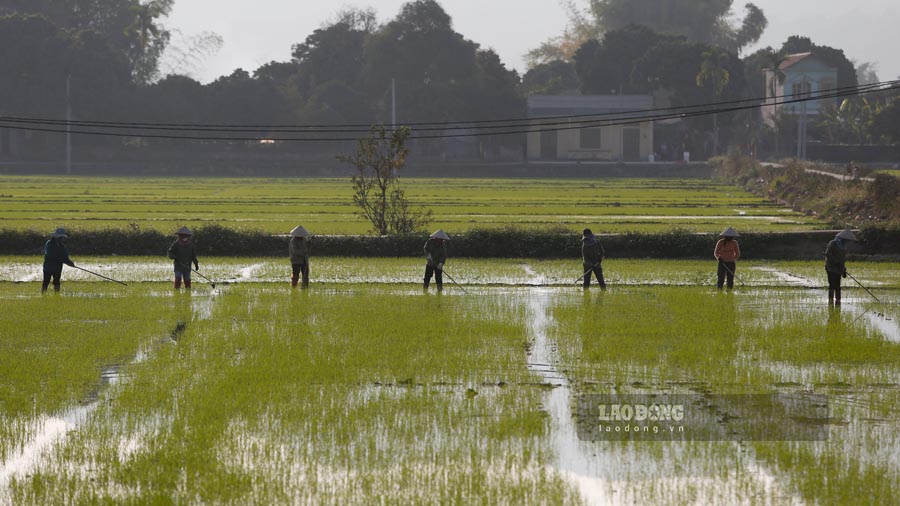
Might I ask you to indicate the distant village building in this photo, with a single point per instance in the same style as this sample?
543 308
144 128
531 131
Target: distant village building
612 136
803 74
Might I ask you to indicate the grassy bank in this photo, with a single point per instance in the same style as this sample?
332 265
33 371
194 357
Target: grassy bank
855 203
216 241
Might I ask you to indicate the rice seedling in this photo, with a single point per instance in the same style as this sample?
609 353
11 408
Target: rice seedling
363 389
288 398
670 340
469 271
53 348
325 207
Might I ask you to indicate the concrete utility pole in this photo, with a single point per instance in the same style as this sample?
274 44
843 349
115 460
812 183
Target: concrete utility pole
393 103
68 124
802 119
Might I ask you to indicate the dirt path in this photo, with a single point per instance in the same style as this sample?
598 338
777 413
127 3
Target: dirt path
833 175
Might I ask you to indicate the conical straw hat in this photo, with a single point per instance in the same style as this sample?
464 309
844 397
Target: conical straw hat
184 231
440 234
299 232
846 234
59 232
729 232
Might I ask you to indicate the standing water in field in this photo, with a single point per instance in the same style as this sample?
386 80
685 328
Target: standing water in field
575 460
48 431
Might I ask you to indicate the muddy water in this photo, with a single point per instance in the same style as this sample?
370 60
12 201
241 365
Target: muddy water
611 473
51 430
788 278
604 473
574 459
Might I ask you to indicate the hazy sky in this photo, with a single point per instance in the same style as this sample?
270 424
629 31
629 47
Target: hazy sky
256 32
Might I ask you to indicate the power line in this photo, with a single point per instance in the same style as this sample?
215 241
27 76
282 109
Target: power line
533 125
443 126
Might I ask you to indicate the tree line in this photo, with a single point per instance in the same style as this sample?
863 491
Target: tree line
687 52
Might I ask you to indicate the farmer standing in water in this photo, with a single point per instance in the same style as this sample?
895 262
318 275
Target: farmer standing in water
182 252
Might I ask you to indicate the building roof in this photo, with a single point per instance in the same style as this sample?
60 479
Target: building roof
560 105
793 59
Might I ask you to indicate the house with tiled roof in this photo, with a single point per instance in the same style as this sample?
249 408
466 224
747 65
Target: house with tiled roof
801 75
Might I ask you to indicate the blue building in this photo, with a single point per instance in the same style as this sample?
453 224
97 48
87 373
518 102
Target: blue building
803 74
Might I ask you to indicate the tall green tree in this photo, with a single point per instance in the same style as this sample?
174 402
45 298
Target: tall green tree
705 21
146 39
431 64
886 124
36 59
551 78
334 52
713 77
606 66
242 99
672 68
131 27
851 122
755 67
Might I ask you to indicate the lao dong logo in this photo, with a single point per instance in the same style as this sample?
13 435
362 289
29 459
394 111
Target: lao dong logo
640 412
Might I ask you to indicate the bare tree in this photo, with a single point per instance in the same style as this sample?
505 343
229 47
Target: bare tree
376 188
186 54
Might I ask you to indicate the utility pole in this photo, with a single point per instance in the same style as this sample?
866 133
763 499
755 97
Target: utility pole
393 103
68 124
802 119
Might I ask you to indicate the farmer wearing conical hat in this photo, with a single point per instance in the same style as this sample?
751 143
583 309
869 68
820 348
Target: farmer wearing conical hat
298 249
435 256
836 264
592 258
182 252
55 255
727 252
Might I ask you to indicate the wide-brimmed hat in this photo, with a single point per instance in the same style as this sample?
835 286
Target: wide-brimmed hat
846 234
729 232
440 234
299 232
184 231
59 232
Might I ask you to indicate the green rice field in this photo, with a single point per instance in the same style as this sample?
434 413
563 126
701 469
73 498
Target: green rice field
890 172
363 389
325 206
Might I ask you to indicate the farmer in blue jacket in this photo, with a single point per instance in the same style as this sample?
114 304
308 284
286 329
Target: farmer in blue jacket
55 255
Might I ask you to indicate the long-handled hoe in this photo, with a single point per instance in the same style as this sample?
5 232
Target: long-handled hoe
864 288
99 275
454 281
586 273
211 282
733 274
867 291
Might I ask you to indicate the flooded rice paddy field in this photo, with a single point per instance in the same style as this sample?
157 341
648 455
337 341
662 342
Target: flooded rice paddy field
363 390
325 206
479 272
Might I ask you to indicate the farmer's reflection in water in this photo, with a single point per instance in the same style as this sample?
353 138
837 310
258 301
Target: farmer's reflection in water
184 312
835 320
